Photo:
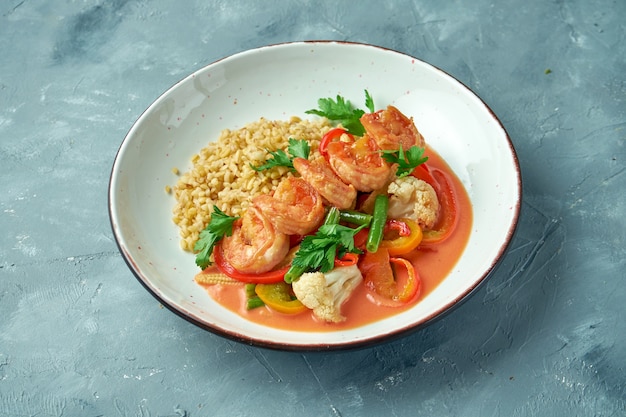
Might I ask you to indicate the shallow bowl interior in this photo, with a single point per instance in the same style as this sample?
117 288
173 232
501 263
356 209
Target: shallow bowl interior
277 82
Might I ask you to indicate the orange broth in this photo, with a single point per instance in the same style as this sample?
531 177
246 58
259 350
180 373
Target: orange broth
432 263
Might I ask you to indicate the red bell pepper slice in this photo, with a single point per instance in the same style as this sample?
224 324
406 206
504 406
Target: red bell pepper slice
348 259
422 172
386 287
400 226
361 238
269 277
329 137
449 215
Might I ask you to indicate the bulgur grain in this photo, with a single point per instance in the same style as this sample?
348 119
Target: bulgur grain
221 175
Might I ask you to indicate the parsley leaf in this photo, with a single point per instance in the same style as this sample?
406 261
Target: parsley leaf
279 159
220 225
341 110
407 161
369 102
318 251
298 148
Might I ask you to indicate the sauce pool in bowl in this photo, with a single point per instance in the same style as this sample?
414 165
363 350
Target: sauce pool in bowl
433 263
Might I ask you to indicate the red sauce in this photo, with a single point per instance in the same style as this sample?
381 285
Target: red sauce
433 263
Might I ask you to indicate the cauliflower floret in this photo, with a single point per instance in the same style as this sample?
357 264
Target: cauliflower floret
325 293
414 199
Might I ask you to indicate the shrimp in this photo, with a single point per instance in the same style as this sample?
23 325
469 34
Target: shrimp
295 208
254 246
392 129
319 174
359 163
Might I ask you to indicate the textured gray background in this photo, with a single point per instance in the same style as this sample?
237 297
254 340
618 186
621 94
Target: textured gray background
79 336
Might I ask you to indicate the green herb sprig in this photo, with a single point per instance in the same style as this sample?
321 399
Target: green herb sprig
298 148
318 252
341 111
407 161
220 225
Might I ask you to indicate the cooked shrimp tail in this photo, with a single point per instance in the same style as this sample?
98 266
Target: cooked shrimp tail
390 128
319 174
255 246
359 163
295 208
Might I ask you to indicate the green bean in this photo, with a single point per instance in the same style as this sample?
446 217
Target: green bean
355 217
379 217
250 290
254 302
294 272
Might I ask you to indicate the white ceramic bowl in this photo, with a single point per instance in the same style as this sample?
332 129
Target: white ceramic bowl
277 82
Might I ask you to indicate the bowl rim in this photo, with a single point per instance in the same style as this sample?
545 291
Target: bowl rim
394 334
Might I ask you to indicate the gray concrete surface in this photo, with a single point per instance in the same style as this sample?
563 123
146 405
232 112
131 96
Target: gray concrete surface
79 336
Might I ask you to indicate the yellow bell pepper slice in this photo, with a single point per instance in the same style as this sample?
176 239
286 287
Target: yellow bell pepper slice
404 243
279 297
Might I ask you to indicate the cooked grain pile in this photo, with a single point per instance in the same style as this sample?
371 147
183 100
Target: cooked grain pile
221 173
